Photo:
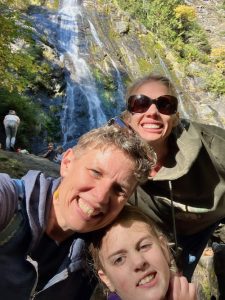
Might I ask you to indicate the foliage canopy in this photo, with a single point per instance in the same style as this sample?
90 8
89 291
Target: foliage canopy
22 68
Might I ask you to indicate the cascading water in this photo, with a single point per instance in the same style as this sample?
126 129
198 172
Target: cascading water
80 82
93 66
70 32
81 92
120 88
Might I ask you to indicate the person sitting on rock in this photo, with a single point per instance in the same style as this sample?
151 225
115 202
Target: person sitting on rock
50 154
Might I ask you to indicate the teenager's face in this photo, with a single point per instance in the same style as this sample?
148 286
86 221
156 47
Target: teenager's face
95 186
151 125
135 266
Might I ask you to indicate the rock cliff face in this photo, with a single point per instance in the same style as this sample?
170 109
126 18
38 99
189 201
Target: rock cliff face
135 52
18 164
211 16
139 52
101 49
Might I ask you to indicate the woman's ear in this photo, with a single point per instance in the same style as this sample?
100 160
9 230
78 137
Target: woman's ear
176 119
104 278
66 160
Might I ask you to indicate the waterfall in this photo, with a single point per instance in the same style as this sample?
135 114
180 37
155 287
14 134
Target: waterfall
81 91
120 88
94 68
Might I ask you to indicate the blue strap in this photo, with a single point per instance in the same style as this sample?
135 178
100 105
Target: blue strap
20 188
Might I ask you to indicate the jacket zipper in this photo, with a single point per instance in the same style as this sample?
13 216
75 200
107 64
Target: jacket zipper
34 264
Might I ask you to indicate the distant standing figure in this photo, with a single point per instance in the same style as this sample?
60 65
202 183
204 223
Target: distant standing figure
11 123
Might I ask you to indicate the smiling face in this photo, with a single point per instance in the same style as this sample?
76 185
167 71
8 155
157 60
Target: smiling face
95 186
153 126
134 262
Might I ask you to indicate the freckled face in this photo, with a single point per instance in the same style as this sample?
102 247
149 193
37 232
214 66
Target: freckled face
95 186
134 263
153 126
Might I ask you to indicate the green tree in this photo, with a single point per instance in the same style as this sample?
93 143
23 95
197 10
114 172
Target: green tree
22 70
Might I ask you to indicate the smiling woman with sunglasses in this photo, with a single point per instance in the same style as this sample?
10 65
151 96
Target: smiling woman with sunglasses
152 111
185 190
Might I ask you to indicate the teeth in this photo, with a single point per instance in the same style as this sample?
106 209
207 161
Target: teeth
146 279
151 126
85 208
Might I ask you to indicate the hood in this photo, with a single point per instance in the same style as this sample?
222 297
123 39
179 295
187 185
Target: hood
189 144
39 191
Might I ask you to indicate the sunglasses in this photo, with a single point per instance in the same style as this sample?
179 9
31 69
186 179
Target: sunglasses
117 121
166 105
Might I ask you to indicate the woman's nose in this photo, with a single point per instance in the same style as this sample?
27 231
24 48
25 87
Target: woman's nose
152 109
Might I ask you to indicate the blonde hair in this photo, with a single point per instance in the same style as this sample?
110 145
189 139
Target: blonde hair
123 139
152 77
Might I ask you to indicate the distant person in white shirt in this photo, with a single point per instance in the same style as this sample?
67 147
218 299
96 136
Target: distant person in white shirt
11 123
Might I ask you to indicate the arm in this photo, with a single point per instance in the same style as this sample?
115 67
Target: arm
8 200
181 289
18 120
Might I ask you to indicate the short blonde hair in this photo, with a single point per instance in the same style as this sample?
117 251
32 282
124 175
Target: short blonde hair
123 139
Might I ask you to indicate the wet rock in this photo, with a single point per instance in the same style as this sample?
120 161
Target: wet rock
122 27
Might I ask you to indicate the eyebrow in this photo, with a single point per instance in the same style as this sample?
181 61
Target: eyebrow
121 251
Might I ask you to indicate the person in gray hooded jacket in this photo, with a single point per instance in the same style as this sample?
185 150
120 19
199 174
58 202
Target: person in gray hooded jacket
185 191
44 222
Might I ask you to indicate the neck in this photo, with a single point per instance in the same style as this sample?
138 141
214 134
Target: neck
162 153
53 229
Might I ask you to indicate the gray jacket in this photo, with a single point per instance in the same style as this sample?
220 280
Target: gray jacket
19 271
194 178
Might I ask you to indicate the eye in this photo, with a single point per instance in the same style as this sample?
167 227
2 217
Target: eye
118 260
145 246
95 173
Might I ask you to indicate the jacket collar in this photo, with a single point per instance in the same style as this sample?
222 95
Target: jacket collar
189 144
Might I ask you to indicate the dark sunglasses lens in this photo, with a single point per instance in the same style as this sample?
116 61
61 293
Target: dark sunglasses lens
138 103
167 105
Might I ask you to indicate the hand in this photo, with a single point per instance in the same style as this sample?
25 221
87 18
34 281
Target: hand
181 289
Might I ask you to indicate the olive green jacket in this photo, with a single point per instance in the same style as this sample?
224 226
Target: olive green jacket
193 177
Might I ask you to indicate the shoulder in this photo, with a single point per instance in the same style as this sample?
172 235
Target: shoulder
8 199
212 135
212 130
209 132
213 138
